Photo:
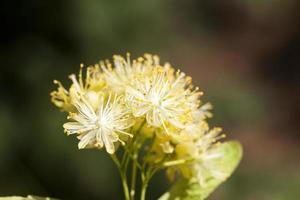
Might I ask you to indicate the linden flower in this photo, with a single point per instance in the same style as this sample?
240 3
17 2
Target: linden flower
180 145
198 158
208 165
124 71
209 160
61 97
100 128
202 113
90 87
190 132
163 97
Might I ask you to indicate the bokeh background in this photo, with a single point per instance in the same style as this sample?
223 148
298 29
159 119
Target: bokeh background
244 54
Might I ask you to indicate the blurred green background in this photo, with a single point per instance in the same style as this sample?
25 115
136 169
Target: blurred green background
244 54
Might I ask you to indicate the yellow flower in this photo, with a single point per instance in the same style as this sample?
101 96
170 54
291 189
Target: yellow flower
202 113
163 97
194 153
102 127
207 164
61 97
117 99
120 74
90 88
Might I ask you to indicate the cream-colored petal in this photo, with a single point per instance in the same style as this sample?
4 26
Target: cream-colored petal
85 140
109 146
75 127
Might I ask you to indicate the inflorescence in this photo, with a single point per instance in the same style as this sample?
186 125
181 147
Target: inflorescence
142 105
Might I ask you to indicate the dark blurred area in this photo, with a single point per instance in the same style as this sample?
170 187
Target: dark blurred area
245 56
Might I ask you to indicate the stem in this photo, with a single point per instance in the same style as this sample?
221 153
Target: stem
134 149
133 157
133 181
146 176
145 180
144 188
174 162
126 160
143 194
123 176
134 170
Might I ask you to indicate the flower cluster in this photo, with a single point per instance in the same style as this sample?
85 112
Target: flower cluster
112 101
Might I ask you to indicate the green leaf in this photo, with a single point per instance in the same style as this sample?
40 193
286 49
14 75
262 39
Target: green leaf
29 197
184 189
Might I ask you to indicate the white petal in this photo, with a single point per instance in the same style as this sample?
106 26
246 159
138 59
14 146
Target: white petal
99 141
85 140
109 146
75 127
141 110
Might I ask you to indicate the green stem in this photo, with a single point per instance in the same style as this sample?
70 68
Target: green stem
133 157
133 181
126 160
144 188
123 176
135 163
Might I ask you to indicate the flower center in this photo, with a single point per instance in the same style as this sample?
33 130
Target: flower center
156 101
102 122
